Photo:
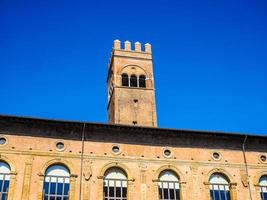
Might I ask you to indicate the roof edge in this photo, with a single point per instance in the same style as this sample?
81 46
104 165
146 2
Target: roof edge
140 128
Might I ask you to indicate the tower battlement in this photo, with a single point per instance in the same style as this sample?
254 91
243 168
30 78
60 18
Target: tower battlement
128 47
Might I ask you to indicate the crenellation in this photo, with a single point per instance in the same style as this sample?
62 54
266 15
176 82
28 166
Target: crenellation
148 48
117 44
137 46
127 46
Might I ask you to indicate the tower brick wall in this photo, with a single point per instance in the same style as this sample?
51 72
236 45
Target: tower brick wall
127 104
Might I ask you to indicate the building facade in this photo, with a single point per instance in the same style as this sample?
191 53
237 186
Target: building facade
128 158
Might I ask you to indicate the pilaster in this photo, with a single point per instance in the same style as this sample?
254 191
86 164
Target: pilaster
11 190
40 187
207 191
72 186
87 173
233 191
27 179
130 190
155 190
183 192
195 185
143 185
100 186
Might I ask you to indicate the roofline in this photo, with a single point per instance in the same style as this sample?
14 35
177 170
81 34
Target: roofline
134 127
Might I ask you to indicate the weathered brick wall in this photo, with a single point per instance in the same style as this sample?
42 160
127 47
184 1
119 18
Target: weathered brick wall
30 149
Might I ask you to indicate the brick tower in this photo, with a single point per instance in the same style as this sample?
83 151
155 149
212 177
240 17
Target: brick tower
131 92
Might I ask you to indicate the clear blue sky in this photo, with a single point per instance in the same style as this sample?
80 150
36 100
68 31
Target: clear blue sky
210 59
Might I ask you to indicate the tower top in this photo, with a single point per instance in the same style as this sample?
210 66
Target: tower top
128 46
136 51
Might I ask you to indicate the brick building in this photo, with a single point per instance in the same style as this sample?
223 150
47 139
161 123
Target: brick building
128 158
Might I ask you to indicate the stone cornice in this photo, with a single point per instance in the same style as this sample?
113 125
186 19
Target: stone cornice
59 129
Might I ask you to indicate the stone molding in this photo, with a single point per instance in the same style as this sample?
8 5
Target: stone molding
232 183
123 167
66 164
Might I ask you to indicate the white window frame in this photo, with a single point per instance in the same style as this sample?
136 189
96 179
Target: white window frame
5 179
219 183
56 174
169 186
115 180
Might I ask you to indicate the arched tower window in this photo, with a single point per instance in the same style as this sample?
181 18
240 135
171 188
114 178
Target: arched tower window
263 187
56 183
4 180
133 81
115 184
219 187
142 81
169 188
124 80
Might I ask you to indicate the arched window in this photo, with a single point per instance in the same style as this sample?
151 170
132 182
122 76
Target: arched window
169 188
133 81
4 180
124 80
142 81
56 183
115 184
219 187
263 187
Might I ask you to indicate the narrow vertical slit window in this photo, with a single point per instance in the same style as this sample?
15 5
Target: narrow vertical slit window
56 183
168 186
124 80
115 184
4 180
219 187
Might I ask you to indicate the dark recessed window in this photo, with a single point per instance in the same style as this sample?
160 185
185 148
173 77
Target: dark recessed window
216 155
125 80
115 149
142 81
133 81
2 141
263 158
60 145
167 152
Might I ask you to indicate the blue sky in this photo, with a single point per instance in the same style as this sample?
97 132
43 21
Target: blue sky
210 59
